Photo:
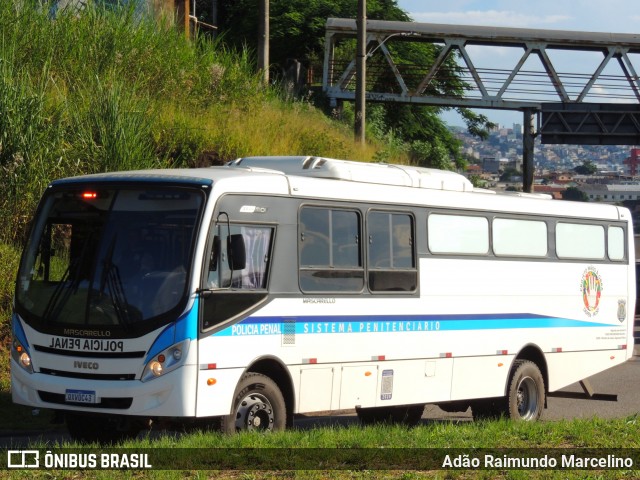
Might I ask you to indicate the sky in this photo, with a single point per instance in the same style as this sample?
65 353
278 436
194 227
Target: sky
611 16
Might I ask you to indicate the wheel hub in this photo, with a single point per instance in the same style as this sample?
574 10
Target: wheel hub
527 398
255 413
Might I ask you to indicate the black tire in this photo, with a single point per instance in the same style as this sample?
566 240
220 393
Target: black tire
101 429
526 393
409 415
258 405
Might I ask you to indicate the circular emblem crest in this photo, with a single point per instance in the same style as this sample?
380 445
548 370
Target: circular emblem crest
591 291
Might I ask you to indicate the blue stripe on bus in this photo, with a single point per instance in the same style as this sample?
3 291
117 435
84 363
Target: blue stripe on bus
18 332
183 328
397 323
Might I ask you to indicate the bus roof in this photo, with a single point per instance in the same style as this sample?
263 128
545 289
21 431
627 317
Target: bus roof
357 181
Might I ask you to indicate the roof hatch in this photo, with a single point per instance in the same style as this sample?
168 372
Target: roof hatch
378 173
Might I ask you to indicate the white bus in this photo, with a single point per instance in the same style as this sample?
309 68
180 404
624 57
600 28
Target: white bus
282 285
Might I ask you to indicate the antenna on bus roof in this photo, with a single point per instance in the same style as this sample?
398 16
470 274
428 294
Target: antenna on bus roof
379 173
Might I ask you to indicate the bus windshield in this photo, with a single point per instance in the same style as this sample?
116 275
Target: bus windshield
110 258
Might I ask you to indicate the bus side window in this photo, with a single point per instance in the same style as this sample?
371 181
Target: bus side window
314 237
402 242
391 254
329 249
345 239
241 260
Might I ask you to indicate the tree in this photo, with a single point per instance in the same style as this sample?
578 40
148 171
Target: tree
477 181
508 173
587 168
297 32
296 26
575 194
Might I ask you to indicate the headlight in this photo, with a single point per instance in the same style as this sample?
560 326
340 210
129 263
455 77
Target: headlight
21 356
166 361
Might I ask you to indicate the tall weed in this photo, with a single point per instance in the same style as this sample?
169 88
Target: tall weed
30 142
9 258
111 129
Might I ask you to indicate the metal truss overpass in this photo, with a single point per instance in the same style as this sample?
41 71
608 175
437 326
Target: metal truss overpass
584 85
537 75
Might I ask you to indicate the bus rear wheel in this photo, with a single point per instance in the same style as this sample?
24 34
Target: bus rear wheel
526 393
257 406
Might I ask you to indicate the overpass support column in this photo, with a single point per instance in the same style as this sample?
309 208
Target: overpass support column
528 136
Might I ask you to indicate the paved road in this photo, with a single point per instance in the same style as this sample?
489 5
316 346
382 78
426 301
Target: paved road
621 381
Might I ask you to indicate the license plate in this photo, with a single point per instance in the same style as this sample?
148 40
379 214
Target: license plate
80 396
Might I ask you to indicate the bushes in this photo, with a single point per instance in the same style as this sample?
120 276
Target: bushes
9 258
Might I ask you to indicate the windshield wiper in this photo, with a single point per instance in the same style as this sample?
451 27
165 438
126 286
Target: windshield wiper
54 306
53 302
112 280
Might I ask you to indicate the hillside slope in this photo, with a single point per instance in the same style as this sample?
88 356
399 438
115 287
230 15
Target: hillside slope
115 90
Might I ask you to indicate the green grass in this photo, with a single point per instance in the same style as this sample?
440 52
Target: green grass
350 443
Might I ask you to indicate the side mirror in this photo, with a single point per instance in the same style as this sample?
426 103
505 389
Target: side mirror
236 252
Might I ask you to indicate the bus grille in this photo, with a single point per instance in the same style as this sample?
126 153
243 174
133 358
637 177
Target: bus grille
89 376
119 403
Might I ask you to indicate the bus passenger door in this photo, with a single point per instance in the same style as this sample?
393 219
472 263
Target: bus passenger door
237 272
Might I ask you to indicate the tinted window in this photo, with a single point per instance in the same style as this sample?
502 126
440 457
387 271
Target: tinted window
330 250
256 243
113 258
391 258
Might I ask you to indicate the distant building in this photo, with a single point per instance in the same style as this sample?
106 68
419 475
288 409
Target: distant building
633 162
516 164
611 193
473 170
490 165
561 177
181 11
554 190
517 130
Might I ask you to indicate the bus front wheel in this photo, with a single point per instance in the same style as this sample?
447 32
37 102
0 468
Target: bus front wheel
257 406
525 397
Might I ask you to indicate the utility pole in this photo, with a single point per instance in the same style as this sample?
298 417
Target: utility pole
528 136
187 20
214 17
361 71
263 40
